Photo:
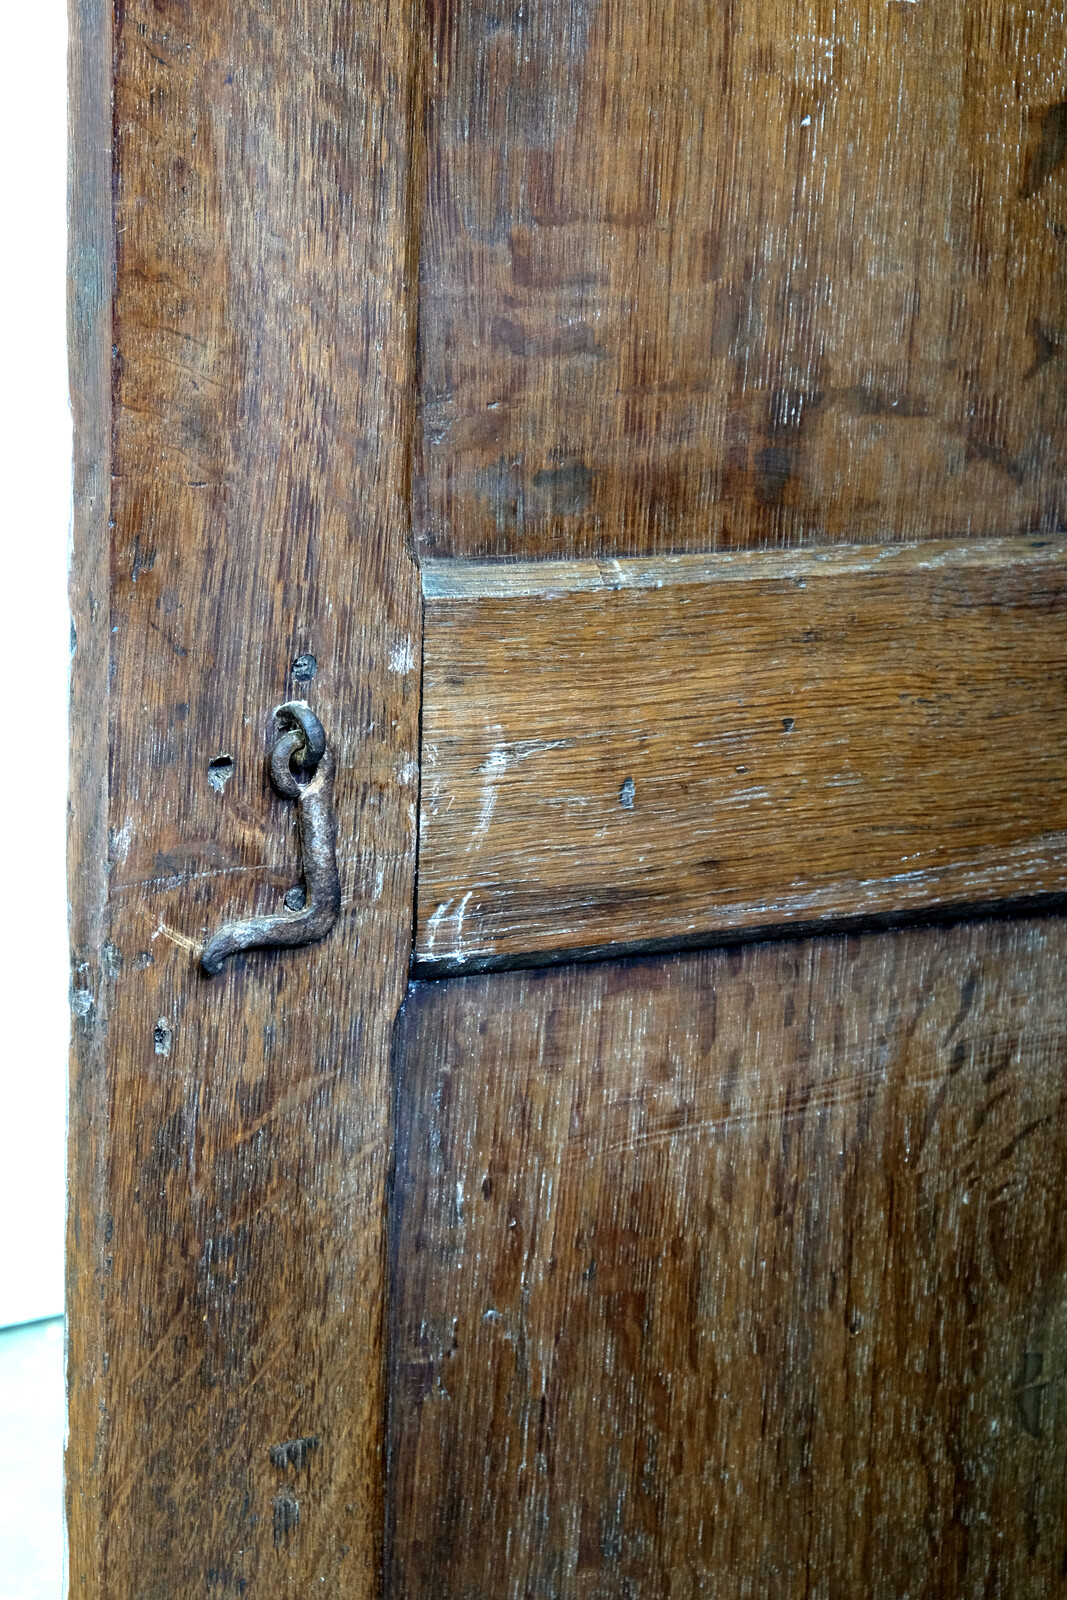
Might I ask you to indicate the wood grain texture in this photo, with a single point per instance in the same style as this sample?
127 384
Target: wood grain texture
696 276
652 752
89 337
231 1134
740 1274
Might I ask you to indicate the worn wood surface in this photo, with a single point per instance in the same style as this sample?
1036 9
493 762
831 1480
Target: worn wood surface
653 751
688 280
739 1274
742 274
230 1135
90 267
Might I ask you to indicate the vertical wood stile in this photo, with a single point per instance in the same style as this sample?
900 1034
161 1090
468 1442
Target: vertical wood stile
248 365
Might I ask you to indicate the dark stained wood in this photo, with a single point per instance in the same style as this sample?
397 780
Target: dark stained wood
230 1135
658 750
736 1274
757 1271
699 275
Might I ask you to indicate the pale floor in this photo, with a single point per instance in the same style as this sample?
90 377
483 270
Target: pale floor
31 1461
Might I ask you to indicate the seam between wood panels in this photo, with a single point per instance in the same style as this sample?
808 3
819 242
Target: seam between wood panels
459 579
415 206
428 970
416 181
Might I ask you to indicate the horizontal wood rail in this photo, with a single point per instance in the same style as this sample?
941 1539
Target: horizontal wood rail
634 754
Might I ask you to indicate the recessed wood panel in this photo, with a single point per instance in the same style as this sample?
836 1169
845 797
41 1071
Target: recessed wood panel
738 1274
744 274
659 751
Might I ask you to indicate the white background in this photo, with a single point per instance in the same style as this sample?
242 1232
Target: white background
34 527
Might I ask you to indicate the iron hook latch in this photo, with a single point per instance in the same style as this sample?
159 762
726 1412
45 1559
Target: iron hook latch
301 768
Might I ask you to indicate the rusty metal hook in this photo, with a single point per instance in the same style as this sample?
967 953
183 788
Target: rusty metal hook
312 911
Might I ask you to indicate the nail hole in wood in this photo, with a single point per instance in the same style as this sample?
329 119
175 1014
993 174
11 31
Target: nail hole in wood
219 772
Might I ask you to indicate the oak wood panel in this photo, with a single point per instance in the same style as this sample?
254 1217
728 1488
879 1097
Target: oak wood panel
658 750
739 1274
742 274
230 1135
90 268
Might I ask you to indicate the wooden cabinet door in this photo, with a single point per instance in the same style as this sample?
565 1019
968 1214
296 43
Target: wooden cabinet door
637 432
